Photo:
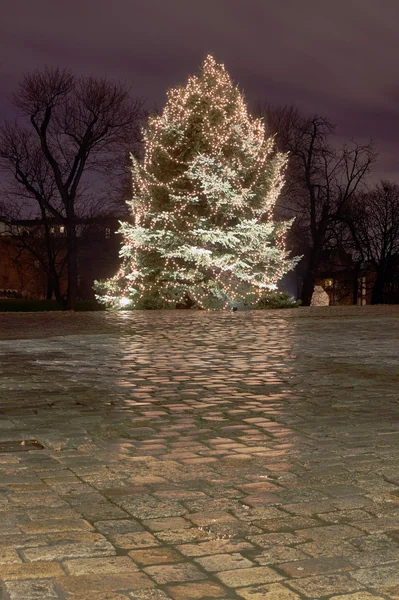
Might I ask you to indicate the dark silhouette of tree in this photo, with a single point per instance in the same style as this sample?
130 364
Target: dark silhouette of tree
73 133
321 180
373 220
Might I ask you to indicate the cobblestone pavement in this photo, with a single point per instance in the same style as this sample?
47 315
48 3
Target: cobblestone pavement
198 456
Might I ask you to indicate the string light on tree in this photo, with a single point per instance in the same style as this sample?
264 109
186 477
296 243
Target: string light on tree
124 302
202 232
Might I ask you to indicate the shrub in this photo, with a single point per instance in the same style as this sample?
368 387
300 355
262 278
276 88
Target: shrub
273 300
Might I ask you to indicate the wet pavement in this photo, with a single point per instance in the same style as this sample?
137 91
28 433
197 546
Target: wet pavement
197 456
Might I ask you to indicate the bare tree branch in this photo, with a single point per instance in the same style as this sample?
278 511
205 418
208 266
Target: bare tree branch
74 127
321 178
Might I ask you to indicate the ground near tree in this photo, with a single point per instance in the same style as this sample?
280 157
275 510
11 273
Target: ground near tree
203 455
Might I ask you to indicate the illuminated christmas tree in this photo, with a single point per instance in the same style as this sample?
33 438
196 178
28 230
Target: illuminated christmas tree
202 233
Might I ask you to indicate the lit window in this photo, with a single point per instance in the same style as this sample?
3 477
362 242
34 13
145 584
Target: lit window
62 229
107 233
52 229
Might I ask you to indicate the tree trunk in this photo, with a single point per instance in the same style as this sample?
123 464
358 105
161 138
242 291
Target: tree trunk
377 294
314 262
52 275
57 292
53 284
72 259
187 302
308 286
356 284
49 290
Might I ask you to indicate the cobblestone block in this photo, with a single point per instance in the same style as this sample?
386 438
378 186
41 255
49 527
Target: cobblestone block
39 589
197 455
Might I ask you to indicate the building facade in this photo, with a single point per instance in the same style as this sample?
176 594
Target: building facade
23 256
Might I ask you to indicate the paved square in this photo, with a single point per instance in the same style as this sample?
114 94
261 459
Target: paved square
197 455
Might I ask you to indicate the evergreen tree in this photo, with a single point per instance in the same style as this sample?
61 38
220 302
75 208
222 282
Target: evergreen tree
203 233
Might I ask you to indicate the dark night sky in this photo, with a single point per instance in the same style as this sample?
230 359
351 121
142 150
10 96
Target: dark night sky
339 58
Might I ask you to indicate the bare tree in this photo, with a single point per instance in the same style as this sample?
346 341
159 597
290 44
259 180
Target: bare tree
46 247
321 180
77 133
373 220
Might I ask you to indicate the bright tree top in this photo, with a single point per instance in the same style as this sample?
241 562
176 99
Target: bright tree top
203 233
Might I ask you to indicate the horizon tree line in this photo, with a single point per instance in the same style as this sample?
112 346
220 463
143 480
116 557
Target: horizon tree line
66 158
